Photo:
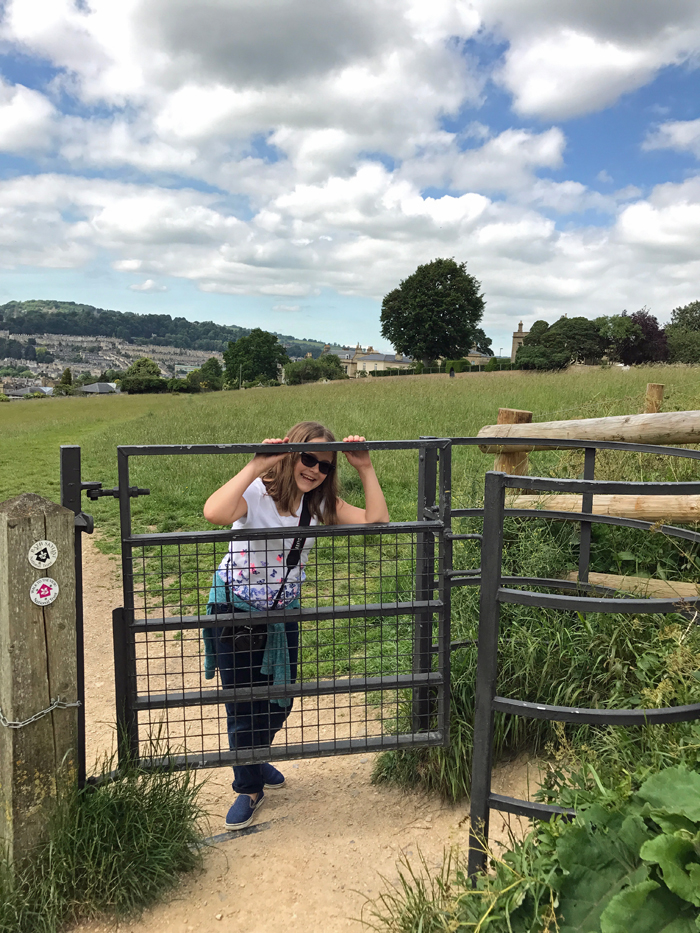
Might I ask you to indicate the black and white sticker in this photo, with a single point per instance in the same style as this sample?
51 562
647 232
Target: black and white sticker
42 554
43 591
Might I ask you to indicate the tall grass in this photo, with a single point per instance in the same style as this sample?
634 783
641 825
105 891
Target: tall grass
564 659
112 849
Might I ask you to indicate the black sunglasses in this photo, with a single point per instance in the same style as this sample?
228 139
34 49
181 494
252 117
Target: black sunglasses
310 461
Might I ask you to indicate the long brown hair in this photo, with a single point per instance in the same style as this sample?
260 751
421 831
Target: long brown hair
282 487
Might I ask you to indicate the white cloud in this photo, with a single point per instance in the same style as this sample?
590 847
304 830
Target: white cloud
567 58
680 135
150 285
308 134
26 119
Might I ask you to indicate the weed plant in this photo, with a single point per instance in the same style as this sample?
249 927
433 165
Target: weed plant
628 861
564 659
112 849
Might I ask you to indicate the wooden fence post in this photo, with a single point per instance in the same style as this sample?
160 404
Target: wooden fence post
654 398
37 667
514 462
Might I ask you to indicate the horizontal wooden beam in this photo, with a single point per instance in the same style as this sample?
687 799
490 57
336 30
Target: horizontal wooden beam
664 428
641 586
667 509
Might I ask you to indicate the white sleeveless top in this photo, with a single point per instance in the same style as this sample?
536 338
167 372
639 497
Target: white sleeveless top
254 570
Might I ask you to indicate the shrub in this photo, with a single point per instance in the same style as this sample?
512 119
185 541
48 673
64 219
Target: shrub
459 366
3 397
113 849
622 865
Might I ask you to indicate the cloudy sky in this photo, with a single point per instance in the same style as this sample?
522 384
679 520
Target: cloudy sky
285 163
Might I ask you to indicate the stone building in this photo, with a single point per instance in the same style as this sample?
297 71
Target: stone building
518 336
369 361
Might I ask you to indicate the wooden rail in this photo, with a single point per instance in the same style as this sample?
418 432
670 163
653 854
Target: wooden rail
664 428
669 509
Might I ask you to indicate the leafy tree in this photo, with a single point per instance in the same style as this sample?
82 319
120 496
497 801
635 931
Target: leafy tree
568 340
686 317
683 334
310 370
194 380
143 376
110 375
330 368
654 347
178 385
535 334
633 339
66 377
435 312
212 375
43 355
257 354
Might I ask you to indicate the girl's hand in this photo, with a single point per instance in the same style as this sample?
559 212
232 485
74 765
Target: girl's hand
265 462
357 458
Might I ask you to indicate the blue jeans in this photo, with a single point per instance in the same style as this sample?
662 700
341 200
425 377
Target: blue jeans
251 723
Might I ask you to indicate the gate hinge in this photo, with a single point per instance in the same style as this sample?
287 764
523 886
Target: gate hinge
84 522
95 491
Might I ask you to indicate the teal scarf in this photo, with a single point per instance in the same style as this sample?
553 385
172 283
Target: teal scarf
275 661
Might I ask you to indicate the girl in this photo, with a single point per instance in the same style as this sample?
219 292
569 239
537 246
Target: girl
273 490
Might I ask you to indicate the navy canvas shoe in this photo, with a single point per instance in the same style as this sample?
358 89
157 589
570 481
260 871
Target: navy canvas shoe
243 810
271 776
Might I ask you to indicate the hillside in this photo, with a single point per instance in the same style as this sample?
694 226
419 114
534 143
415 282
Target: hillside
80 320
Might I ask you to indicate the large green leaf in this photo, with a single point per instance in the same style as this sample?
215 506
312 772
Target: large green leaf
677 857
601 858
647 908
675 790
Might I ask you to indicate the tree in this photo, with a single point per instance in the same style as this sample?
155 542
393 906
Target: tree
212 375
257 354
310 370
435 312
633 338
143 376
66 377
654 347
683 334
568 340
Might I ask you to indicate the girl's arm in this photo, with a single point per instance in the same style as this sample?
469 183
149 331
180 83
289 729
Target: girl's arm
227 505
375 509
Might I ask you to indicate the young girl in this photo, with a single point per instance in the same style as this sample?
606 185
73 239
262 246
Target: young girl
269 492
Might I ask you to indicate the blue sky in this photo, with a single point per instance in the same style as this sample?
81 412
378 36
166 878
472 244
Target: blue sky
288 172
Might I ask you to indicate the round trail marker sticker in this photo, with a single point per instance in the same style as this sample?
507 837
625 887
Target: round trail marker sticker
43 591
42 554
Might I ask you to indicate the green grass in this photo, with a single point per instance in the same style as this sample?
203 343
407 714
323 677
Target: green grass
112 850
381 410
545 656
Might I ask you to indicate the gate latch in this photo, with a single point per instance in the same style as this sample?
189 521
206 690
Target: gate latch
95 491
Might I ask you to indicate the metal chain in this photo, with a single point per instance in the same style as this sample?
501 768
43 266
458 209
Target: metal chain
58 703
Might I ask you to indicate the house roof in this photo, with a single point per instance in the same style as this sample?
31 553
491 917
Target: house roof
29 390
383 358
100 388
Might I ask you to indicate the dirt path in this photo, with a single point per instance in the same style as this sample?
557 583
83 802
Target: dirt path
320 843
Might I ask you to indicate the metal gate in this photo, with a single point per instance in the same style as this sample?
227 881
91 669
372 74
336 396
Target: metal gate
374 629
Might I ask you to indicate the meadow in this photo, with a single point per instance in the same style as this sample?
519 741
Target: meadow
380 409
594 660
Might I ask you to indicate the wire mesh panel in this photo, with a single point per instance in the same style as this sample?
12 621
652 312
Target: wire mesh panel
332 670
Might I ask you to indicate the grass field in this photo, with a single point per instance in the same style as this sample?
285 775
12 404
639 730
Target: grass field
383 409
596 660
